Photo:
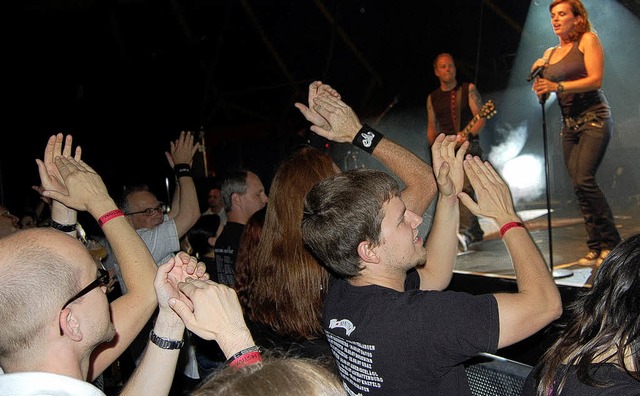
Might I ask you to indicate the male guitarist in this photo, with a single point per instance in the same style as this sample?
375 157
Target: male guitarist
450 108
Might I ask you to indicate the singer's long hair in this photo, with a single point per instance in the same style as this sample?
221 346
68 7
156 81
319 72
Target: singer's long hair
578 10
604 326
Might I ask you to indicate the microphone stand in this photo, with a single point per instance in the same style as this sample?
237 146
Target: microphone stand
556 273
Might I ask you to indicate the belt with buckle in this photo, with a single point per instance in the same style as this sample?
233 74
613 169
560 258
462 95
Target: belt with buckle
576 123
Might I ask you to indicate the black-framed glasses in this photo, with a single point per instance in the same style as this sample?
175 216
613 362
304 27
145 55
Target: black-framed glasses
161 208
103 280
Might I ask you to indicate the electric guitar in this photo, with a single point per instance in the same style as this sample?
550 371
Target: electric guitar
487 111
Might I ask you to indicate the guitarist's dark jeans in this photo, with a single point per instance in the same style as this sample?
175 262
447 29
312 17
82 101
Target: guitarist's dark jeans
469 224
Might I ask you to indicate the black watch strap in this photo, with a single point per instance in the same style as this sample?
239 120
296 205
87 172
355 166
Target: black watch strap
165 343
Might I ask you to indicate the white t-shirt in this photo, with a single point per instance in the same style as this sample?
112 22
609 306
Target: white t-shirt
45 384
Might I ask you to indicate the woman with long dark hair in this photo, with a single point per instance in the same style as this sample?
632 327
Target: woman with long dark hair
598 353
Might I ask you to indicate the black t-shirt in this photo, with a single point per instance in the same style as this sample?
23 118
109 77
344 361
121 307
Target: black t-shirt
267 338
407 343
226 250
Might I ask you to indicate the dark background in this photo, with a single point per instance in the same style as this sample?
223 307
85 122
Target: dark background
124 77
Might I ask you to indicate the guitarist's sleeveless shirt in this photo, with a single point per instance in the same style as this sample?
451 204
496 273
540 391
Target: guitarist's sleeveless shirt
452 108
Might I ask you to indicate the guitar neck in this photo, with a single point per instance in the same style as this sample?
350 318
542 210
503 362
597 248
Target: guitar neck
471 124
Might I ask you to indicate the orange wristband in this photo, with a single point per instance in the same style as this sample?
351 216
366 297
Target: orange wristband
109 216
509 226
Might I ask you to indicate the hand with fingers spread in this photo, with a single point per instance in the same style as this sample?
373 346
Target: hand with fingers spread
493 195
216 314
182 149
316 88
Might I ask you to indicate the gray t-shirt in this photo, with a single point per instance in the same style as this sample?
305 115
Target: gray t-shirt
162 241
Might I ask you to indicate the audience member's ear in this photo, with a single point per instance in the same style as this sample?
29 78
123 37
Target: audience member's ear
235 199
368 252
69 325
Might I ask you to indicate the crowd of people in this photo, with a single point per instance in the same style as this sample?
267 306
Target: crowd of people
323 286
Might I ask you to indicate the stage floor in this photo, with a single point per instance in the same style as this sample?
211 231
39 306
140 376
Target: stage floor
490 257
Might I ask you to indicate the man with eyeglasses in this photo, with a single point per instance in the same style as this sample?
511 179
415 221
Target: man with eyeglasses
159 228
58 327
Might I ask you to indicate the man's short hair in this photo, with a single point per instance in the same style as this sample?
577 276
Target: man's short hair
442 54
35 281
342 211
234 182
128 190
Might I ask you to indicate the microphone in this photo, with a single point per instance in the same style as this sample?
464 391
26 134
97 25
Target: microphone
535 73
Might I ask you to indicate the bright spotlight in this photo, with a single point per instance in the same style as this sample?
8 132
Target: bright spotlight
525 175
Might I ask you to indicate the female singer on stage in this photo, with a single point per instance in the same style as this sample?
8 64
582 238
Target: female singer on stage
574 69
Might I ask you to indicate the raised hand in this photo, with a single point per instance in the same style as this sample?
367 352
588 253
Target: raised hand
84 187
493 195
316 88
343 123
50 177
182 149
448 164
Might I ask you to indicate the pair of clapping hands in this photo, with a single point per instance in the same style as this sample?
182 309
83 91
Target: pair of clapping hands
208 309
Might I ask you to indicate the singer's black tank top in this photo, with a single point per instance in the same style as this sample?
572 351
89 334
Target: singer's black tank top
572 67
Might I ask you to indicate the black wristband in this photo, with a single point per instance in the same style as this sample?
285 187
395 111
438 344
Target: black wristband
62 227
367 138
165 343
182 170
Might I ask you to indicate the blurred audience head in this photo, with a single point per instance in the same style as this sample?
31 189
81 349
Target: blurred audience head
283 376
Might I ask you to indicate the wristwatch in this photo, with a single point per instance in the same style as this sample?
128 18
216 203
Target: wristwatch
165 343
560 88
